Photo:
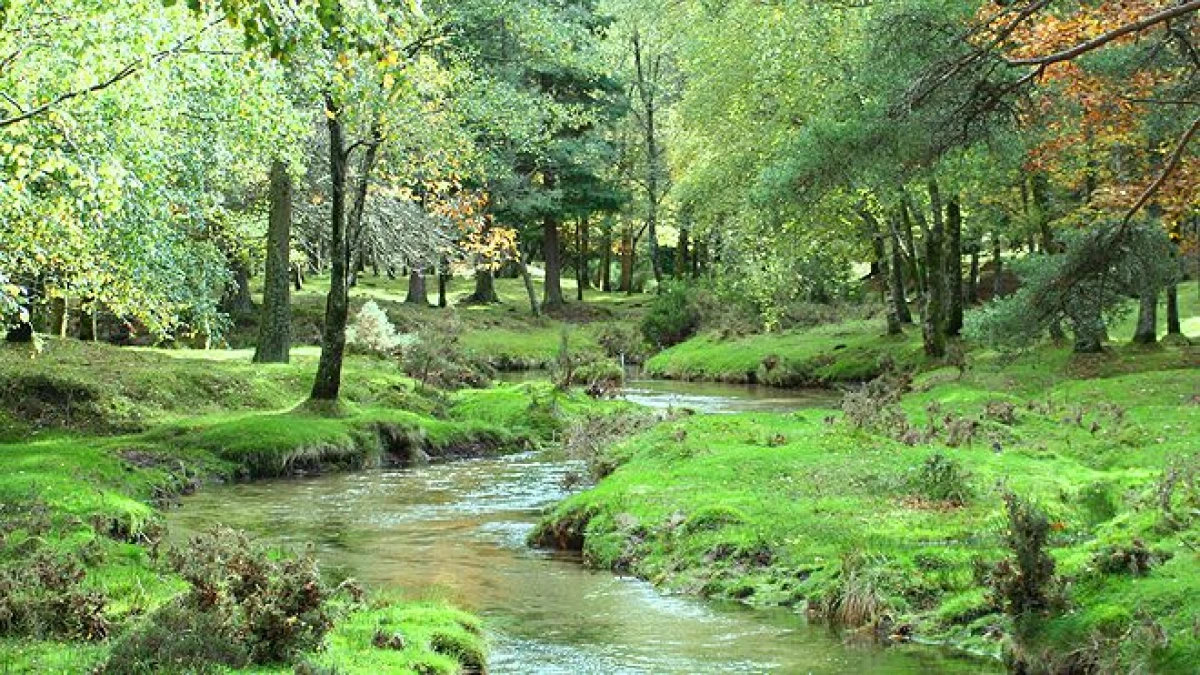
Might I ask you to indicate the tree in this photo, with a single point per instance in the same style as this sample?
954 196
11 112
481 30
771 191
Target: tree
275 327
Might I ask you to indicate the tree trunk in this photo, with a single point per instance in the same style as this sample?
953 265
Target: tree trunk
933 318
953 267
973 276
917 268
275 325
681 253
1089 337
882 273
581 272
997 267
552 297
485 288
237 301
646 80
626 280
530 290
443 283
606 260
87 320
1174 327
418 294
1147 320
899 301
328 382
298 277
58 317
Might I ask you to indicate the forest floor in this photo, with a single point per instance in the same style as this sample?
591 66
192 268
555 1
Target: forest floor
95 440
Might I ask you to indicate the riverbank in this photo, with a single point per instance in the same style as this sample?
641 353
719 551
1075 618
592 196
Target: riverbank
97 440
891 517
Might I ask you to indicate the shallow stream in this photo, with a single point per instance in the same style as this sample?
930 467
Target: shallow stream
458 531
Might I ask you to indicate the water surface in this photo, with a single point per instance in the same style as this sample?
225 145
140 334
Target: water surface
458 531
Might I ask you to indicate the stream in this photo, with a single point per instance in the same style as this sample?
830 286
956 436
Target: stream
457 531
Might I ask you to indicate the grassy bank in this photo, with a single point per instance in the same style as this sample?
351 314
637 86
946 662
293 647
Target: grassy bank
897 524
845 352
95 440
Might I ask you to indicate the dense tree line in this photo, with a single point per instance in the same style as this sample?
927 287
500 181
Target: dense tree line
157 156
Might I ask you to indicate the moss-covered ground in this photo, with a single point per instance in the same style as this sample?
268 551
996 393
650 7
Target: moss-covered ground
828 354
95 440
810 510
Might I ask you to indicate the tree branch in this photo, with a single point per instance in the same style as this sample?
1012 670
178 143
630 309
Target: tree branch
1101 40
1172 162
129 69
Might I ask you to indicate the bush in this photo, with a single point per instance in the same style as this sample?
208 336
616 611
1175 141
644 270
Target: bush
672 318
244 606
178 639
41 590
436 357
1023 584
942 479
621 341
372 332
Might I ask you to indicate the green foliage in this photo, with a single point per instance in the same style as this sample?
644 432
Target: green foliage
42 590
942 478
1024 584
1086 286
673 317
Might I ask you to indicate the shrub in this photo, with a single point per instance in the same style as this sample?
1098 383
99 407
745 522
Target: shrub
41 595
372 332
622 341
672 318
436 357
178 639
41 589
942 479
244 606
1023 584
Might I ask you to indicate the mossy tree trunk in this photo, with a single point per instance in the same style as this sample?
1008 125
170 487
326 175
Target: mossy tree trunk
328 382
275 326
418 294
933 320
1146 332
953 268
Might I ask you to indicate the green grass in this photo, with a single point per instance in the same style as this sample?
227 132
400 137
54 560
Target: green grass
845 352
505 335
850 351
805 510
